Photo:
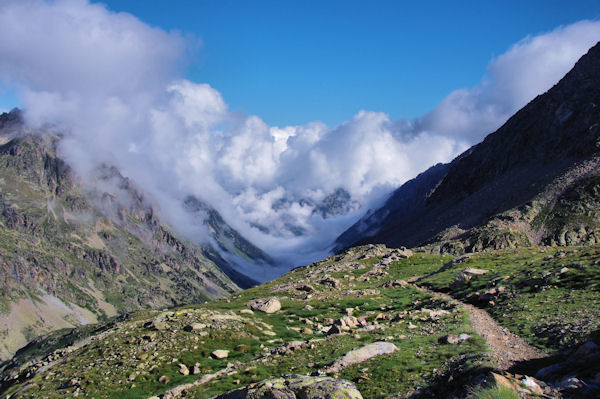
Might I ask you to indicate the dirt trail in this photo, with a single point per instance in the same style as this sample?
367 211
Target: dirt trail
506 347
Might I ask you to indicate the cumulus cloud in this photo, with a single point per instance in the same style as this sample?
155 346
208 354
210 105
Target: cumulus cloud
113 86
527 69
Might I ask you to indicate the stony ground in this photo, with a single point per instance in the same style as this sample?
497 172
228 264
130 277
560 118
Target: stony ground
371 317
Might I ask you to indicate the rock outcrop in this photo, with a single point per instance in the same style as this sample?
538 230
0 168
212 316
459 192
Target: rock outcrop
297 387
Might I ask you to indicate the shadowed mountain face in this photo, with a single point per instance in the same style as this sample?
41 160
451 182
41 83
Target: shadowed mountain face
534 180
74 253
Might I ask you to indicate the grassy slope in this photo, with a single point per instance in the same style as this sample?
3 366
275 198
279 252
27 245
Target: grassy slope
105 366
552 294
127 360
55 240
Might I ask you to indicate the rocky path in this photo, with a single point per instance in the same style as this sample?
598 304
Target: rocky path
506 347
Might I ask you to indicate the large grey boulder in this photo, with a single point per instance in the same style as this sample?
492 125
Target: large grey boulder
267 305
296 387
362 354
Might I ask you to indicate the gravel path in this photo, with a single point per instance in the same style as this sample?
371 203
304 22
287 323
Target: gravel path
506 347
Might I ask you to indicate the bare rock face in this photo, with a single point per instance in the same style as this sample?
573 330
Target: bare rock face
296 387
267 305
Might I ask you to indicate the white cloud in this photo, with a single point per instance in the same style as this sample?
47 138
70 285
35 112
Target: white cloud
528 68
111 83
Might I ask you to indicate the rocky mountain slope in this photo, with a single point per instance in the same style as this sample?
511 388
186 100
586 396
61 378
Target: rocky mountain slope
371 322
533 181
74 253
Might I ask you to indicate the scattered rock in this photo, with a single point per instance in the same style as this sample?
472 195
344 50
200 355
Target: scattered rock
306 288
306 330
453 339
160 325
246 311
435 313
464 337
330 281
296 387
395 283
475 272
334 329
267 305
347 322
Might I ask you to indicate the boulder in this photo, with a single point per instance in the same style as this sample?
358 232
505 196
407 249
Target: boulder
183 369
453 339
466 275
502 381
196 370
194 327
362 354
267 305
220 354
533 385
296 387
347 322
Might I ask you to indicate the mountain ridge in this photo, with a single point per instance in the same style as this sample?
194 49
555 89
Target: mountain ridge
75 252
507 170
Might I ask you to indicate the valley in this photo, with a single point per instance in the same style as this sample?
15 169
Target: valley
361 298
478 278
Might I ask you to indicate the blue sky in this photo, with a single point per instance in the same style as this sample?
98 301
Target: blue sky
292 62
